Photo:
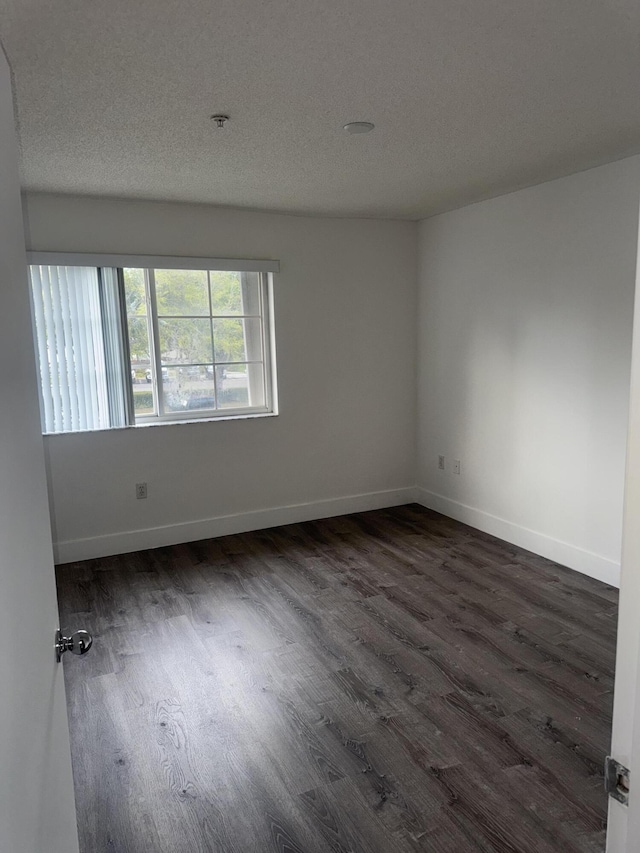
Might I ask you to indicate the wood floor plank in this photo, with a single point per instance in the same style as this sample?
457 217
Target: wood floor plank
387 681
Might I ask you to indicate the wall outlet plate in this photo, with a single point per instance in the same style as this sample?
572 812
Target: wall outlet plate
141 491
441 463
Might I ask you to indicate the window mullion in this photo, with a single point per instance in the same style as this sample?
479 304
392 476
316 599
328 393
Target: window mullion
125 366
213 344
268 364
263 340
150 280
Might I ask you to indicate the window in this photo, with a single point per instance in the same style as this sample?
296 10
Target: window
137 343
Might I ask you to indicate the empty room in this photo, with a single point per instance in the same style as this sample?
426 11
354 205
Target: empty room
320 426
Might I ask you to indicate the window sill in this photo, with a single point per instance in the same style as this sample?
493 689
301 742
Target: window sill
177 421
167 423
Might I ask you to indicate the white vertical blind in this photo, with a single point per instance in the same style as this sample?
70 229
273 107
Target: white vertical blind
70 348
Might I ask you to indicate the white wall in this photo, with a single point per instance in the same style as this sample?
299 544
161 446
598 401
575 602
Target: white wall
525 314
345 329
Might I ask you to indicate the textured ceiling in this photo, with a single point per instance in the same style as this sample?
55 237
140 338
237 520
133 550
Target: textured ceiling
470 98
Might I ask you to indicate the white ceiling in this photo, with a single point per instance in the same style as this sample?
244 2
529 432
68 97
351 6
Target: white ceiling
470 98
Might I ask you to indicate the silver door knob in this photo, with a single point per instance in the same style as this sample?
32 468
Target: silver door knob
78 643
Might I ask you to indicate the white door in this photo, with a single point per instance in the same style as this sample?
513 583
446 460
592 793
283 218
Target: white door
623 833
37 812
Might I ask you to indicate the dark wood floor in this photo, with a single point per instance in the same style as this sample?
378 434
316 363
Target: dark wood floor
378 683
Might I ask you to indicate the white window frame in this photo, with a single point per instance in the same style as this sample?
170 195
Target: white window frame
150 263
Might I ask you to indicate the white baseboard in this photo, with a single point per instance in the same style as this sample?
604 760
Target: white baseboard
594 565
191 531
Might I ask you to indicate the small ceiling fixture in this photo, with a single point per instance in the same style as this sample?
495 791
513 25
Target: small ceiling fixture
358 127
219 119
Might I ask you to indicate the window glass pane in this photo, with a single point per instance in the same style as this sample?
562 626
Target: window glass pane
226 293
237 340
240 386
185 341
139 346
235 292
182 292
189 388
141 379
144 395
135 290
143 400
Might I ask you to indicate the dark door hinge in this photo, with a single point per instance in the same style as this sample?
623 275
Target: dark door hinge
616 780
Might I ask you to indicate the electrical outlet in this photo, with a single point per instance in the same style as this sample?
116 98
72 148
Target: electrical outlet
456 466
441 463
141 491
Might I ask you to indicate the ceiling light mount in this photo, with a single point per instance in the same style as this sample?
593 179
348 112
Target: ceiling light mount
220 119
358 127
